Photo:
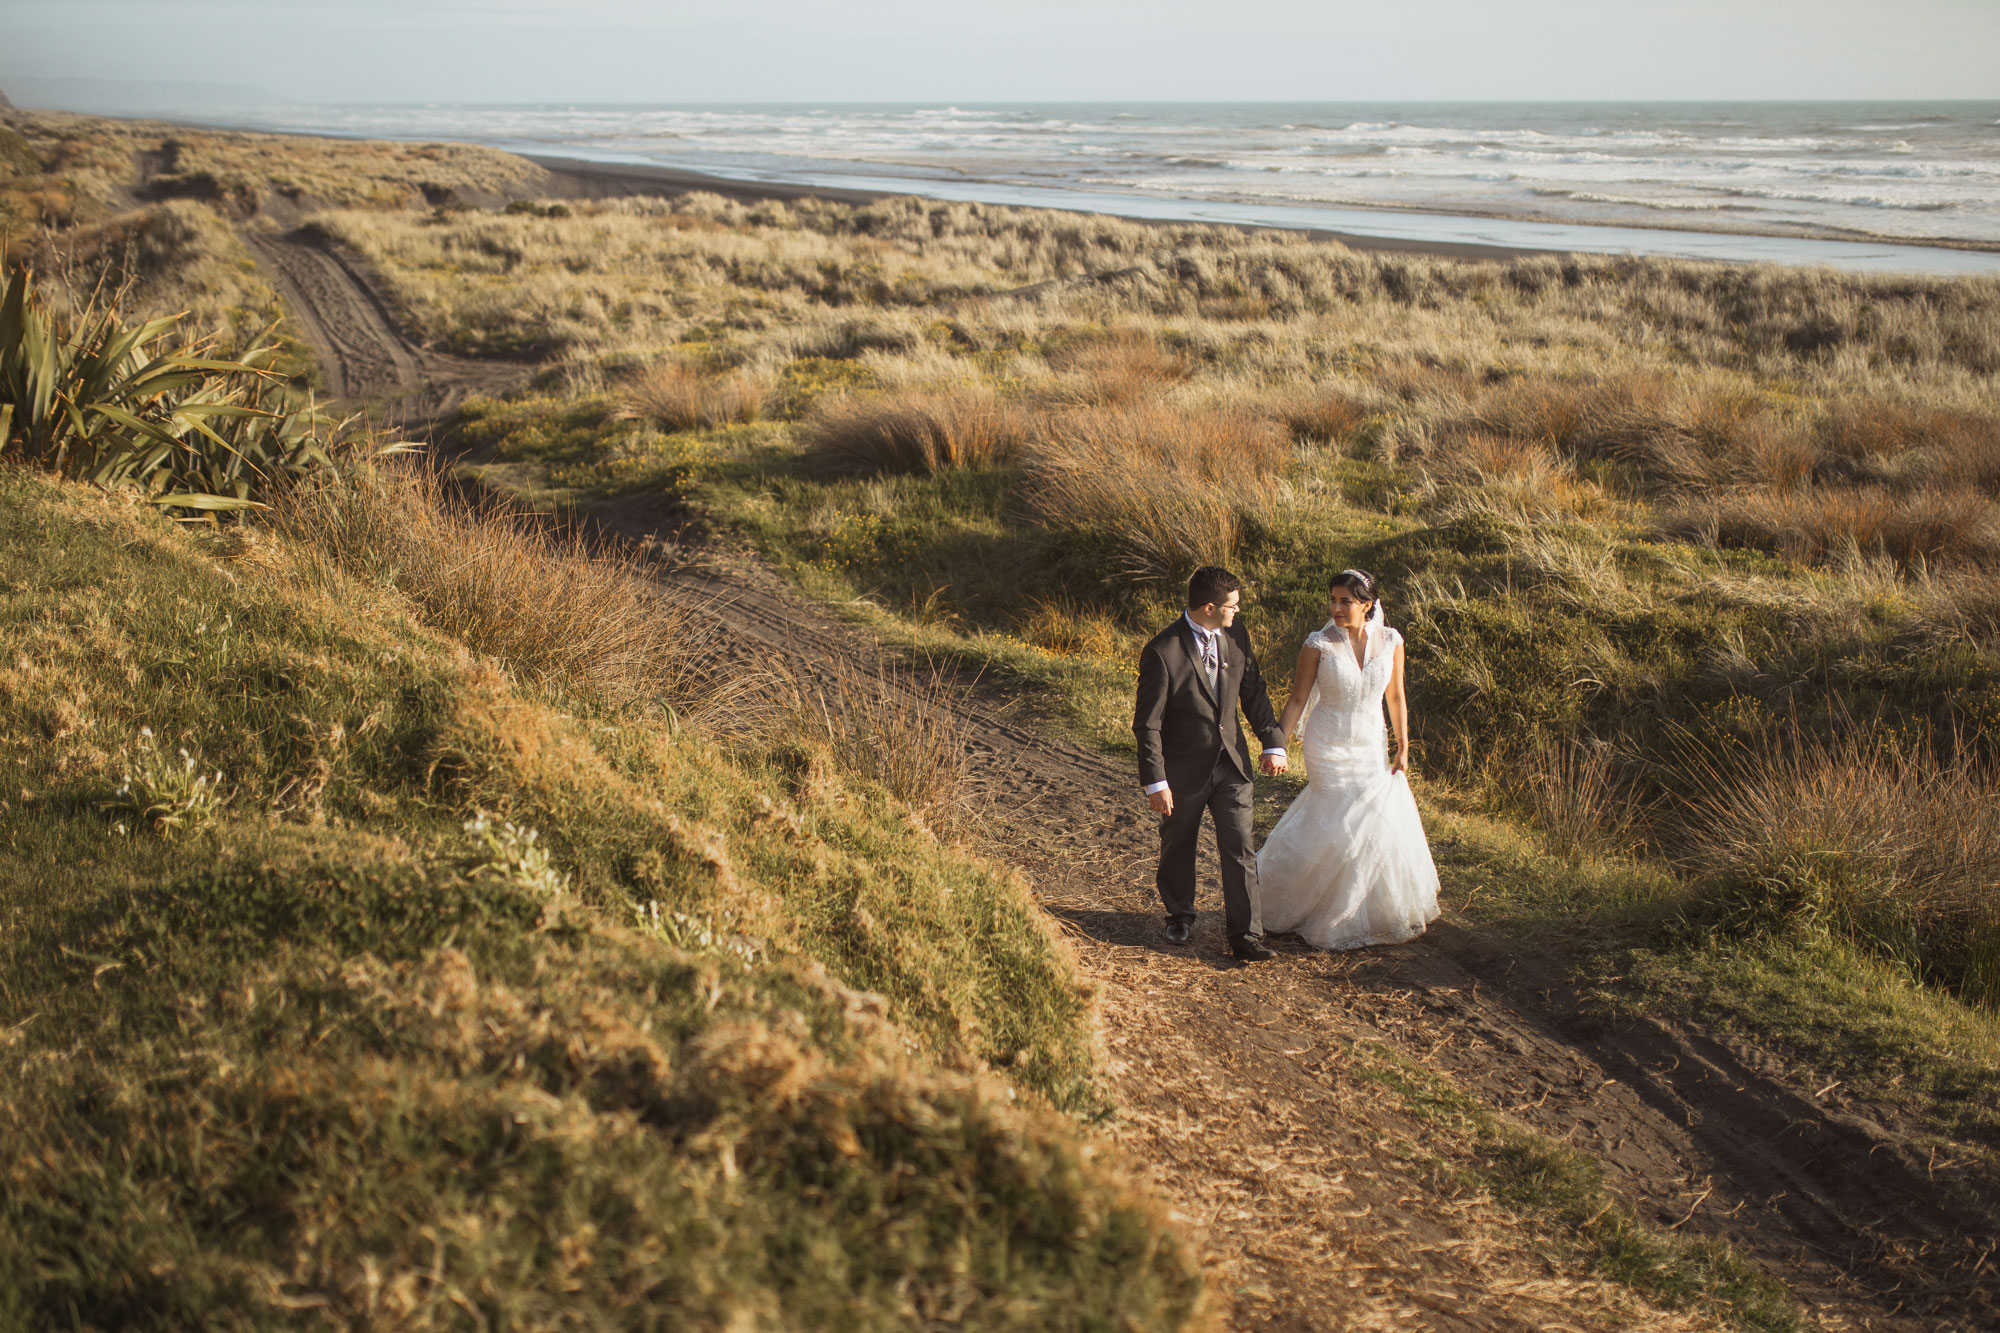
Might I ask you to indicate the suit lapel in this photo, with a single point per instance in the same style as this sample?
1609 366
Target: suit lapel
1193 652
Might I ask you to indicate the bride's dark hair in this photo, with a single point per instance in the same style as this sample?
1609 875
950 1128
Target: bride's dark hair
1357 581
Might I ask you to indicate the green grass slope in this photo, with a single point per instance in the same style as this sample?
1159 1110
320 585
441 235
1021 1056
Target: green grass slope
306 1028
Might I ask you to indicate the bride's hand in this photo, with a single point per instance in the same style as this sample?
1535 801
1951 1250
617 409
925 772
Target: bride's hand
1402 764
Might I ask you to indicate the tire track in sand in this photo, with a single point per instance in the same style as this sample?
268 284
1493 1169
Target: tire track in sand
361 347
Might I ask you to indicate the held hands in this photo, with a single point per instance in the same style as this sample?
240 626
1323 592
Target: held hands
1162 801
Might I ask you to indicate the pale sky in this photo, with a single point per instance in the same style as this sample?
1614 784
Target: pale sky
1020 50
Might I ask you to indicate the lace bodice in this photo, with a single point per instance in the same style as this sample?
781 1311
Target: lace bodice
1347 695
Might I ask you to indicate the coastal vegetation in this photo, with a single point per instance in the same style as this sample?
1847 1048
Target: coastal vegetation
138 408
410 921
368 956
1699 566
1699 559
142 213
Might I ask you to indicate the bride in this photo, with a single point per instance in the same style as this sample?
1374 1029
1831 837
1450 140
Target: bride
1347 865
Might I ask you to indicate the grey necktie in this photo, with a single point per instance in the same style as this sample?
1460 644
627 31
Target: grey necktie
1208 666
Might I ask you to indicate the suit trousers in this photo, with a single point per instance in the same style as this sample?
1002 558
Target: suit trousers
1226 797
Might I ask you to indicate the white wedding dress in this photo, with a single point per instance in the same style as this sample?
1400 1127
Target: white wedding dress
1347 865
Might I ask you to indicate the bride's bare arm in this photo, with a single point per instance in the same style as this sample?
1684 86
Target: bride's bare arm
1399 714
1304 673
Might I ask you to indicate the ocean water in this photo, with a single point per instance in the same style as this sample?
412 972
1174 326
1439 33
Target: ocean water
1908 174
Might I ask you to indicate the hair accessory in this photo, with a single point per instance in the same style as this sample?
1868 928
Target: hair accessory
1375 602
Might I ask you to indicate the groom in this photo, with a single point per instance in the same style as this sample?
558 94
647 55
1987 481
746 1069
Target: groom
1192 676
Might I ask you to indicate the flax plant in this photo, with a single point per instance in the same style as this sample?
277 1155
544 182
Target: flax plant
132 407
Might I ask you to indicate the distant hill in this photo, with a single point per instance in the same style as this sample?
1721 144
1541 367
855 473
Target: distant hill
4 103
129 96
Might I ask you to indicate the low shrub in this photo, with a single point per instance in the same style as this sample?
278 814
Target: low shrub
1154 492
142 407
560 613
681 396
923 432
1916 529
1872 838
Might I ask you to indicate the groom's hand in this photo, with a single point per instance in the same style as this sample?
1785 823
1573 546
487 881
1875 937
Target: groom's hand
1162 801
1273 764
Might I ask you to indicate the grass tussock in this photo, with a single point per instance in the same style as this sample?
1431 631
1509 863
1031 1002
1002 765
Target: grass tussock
923 432
563 615
1914 444
679 395
1872 839
1324 416
1129 367
1154 491
1917 530
896 728
1579 800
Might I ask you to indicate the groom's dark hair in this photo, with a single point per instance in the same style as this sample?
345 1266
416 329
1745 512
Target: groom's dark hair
1211 583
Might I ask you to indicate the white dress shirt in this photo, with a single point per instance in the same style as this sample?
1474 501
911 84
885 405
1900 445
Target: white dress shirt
1209 642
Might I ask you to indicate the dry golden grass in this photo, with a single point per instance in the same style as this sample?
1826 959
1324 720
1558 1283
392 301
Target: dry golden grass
1907 444
1869 837
1499 459
902 729
251 172
1326 416
561 614
1919 529
1445 324
1128 367
1160 490
1518 478
1069 628
681 396
173 257
1555 413
925 431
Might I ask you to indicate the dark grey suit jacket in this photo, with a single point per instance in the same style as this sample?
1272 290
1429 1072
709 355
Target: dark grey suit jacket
1181 726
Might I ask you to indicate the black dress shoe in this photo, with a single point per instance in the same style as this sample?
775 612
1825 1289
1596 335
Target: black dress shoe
1251 951
1177 932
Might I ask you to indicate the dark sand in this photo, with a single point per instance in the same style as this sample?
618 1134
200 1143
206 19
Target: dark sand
577 178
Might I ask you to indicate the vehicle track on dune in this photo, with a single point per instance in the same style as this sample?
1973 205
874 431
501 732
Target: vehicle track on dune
362 350
1271 1105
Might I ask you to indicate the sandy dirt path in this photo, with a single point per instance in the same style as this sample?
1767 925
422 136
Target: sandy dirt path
1255 1095
1261 1099
363 352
